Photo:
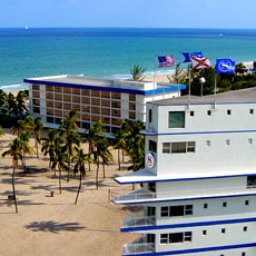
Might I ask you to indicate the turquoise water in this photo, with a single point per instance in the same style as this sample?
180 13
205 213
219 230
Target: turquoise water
109 52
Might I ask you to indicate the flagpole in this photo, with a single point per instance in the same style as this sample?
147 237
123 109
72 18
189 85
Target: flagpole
189 86
215 90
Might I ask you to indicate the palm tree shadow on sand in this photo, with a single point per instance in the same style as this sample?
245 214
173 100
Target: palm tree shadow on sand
54 227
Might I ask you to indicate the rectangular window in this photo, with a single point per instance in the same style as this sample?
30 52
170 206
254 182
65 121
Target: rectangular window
251 181
229 112
176 119
175 238
179 210
178 147
164 239
152 146
166 148
150 115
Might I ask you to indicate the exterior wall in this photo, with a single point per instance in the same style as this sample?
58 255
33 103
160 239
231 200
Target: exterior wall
225 144
52 102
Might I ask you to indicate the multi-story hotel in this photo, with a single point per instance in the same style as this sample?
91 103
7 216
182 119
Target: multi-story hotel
199 184
108 100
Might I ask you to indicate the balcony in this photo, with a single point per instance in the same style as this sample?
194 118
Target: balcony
145 195
134 222
139 246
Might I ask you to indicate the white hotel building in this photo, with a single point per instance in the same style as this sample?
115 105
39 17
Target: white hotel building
199 183
108 100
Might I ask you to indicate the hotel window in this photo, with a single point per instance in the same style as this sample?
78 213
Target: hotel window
35 87
243 254
150 115
251 111
246 202
115 104
116 95
223 231
229 112
75 91
179 147
152 146
175 238
36 110
176 119
105 94
209 112
166 148
173 211
204 232
224 204
251 181
95 93
192 113
205 206
227 142
208 143
132 97
245 228
67 90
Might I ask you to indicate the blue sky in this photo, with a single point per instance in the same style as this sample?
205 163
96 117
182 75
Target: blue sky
128 13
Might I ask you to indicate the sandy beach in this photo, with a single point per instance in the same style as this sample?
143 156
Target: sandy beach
54 225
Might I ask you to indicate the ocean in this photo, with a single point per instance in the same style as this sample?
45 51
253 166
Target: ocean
110 52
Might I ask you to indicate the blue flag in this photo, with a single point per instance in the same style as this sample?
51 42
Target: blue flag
225 66
188 55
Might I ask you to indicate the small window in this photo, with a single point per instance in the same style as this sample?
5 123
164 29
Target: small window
251 111
208 143
189 209
152 146
224 204
179 147
204 232
188 236
227 142
191 147
229 112
176 238
164 239
245 229
251 181
243 254
150 115
164 211
205 206
223 230
250 141
209 112
192 113
166 148
246 202
176 119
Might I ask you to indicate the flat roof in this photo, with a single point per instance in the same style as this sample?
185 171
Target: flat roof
104 84
238 96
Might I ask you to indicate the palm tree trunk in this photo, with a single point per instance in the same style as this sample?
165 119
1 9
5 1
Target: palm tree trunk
68 169
60 180
37 149
97 174
79 188
123 156
104 171
13 190
119 164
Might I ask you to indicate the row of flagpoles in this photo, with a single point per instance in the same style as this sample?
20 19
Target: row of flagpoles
223 66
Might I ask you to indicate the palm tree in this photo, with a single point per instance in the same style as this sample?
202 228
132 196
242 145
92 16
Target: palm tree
48 145
25 147
95 131
60 158
3 98
38 126
21 100
81 158
70 130
119 144
102 152
137 72
11 104
14 151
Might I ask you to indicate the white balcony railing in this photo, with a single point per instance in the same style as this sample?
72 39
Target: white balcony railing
136 249
147 195
133 221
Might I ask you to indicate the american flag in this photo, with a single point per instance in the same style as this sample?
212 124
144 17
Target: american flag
166 61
